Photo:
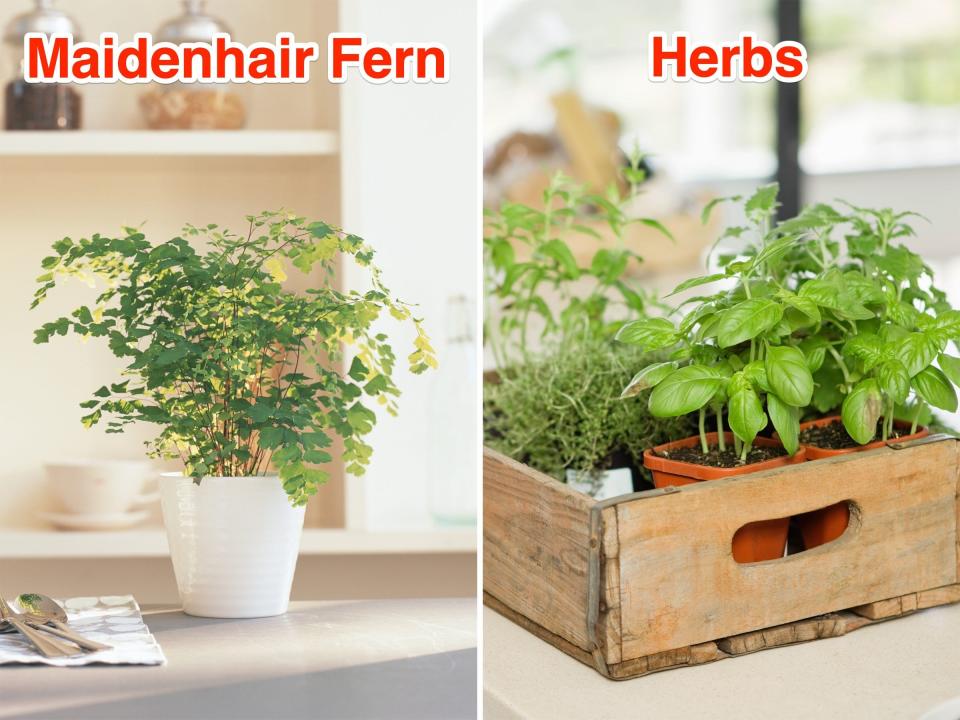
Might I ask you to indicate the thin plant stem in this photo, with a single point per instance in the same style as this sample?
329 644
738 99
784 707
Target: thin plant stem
703 431
721 440
916 418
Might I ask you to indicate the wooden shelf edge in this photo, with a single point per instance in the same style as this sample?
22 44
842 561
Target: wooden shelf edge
152 542
156 143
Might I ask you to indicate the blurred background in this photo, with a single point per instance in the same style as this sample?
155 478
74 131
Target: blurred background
395 164
876 121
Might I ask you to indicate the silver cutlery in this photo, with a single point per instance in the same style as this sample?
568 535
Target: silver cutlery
45 645
45 612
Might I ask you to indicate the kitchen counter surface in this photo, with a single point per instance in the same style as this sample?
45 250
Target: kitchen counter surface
893 670
343 660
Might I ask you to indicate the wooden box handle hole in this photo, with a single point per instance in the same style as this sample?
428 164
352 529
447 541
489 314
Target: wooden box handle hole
768 539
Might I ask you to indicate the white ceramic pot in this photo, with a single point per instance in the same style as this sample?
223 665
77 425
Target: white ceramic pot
234 544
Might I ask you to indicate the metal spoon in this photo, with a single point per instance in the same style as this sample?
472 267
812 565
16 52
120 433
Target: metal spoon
46 646
47 612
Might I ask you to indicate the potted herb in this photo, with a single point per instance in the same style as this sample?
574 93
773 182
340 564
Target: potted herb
734 355
239 375
884 324
809 325
549 322
560 413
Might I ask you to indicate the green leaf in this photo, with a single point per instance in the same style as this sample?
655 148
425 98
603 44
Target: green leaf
861 411
789 376
934 387
893 380
951 367
827 394
804 305
172 355
649 333
948 322
747 320
318 457
647 378
786 421
358 371
762 203
815 351
361 419
319 229
558 250
865 347
685 390
916 351
695 282
608 265
746 416
658 226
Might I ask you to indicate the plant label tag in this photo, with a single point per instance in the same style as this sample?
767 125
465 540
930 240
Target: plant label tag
600 486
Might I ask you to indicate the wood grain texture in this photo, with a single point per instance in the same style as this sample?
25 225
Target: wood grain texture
527 624
536 544
609 631
893 607
680 586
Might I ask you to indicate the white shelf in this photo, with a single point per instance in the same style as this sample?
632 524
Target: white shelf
149 143
51 544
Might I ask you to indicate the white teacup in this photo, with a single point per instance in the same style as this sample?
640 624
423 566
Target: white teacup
100 487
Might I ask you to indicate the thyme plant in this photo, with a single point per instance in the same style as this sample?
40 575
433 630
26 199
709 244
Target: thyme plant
239 373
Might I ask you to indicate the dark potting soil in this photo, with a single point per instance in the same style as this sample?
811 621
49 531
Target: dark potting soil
835 437
726 459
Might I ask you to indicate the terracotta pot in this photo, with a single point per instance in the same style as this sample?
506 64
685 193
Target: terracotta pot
827 524
816 453
753 542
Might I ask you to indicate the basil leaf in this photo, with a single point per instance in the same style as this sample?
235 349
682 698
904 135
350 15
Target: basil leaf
685 390
934 387
865 347
789 376
649 333
894 380
746 320
649 377
861 411
746 416
786 421
951 367
916 351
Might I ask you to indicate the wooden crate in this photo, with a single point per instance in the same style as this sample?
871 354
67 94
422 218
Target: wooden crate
647 581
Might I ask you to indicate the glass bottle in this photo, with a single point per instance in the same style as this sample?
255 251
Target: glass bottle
193 106
38 106
452 481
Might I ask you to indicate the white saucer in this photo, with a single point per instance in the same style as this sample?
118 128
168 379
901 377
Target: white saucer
112 521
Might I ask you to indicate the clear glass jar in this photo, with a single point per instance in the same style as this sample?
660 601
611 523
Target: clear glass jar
193 106
452 482
35 106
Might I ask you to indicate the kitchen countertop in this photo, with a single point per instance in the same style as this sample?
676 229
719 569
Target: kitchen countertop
893 670
343 660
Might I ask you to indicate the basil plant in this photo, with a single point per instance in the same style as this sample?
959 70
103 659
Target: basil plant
239 373
809 324
735 353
